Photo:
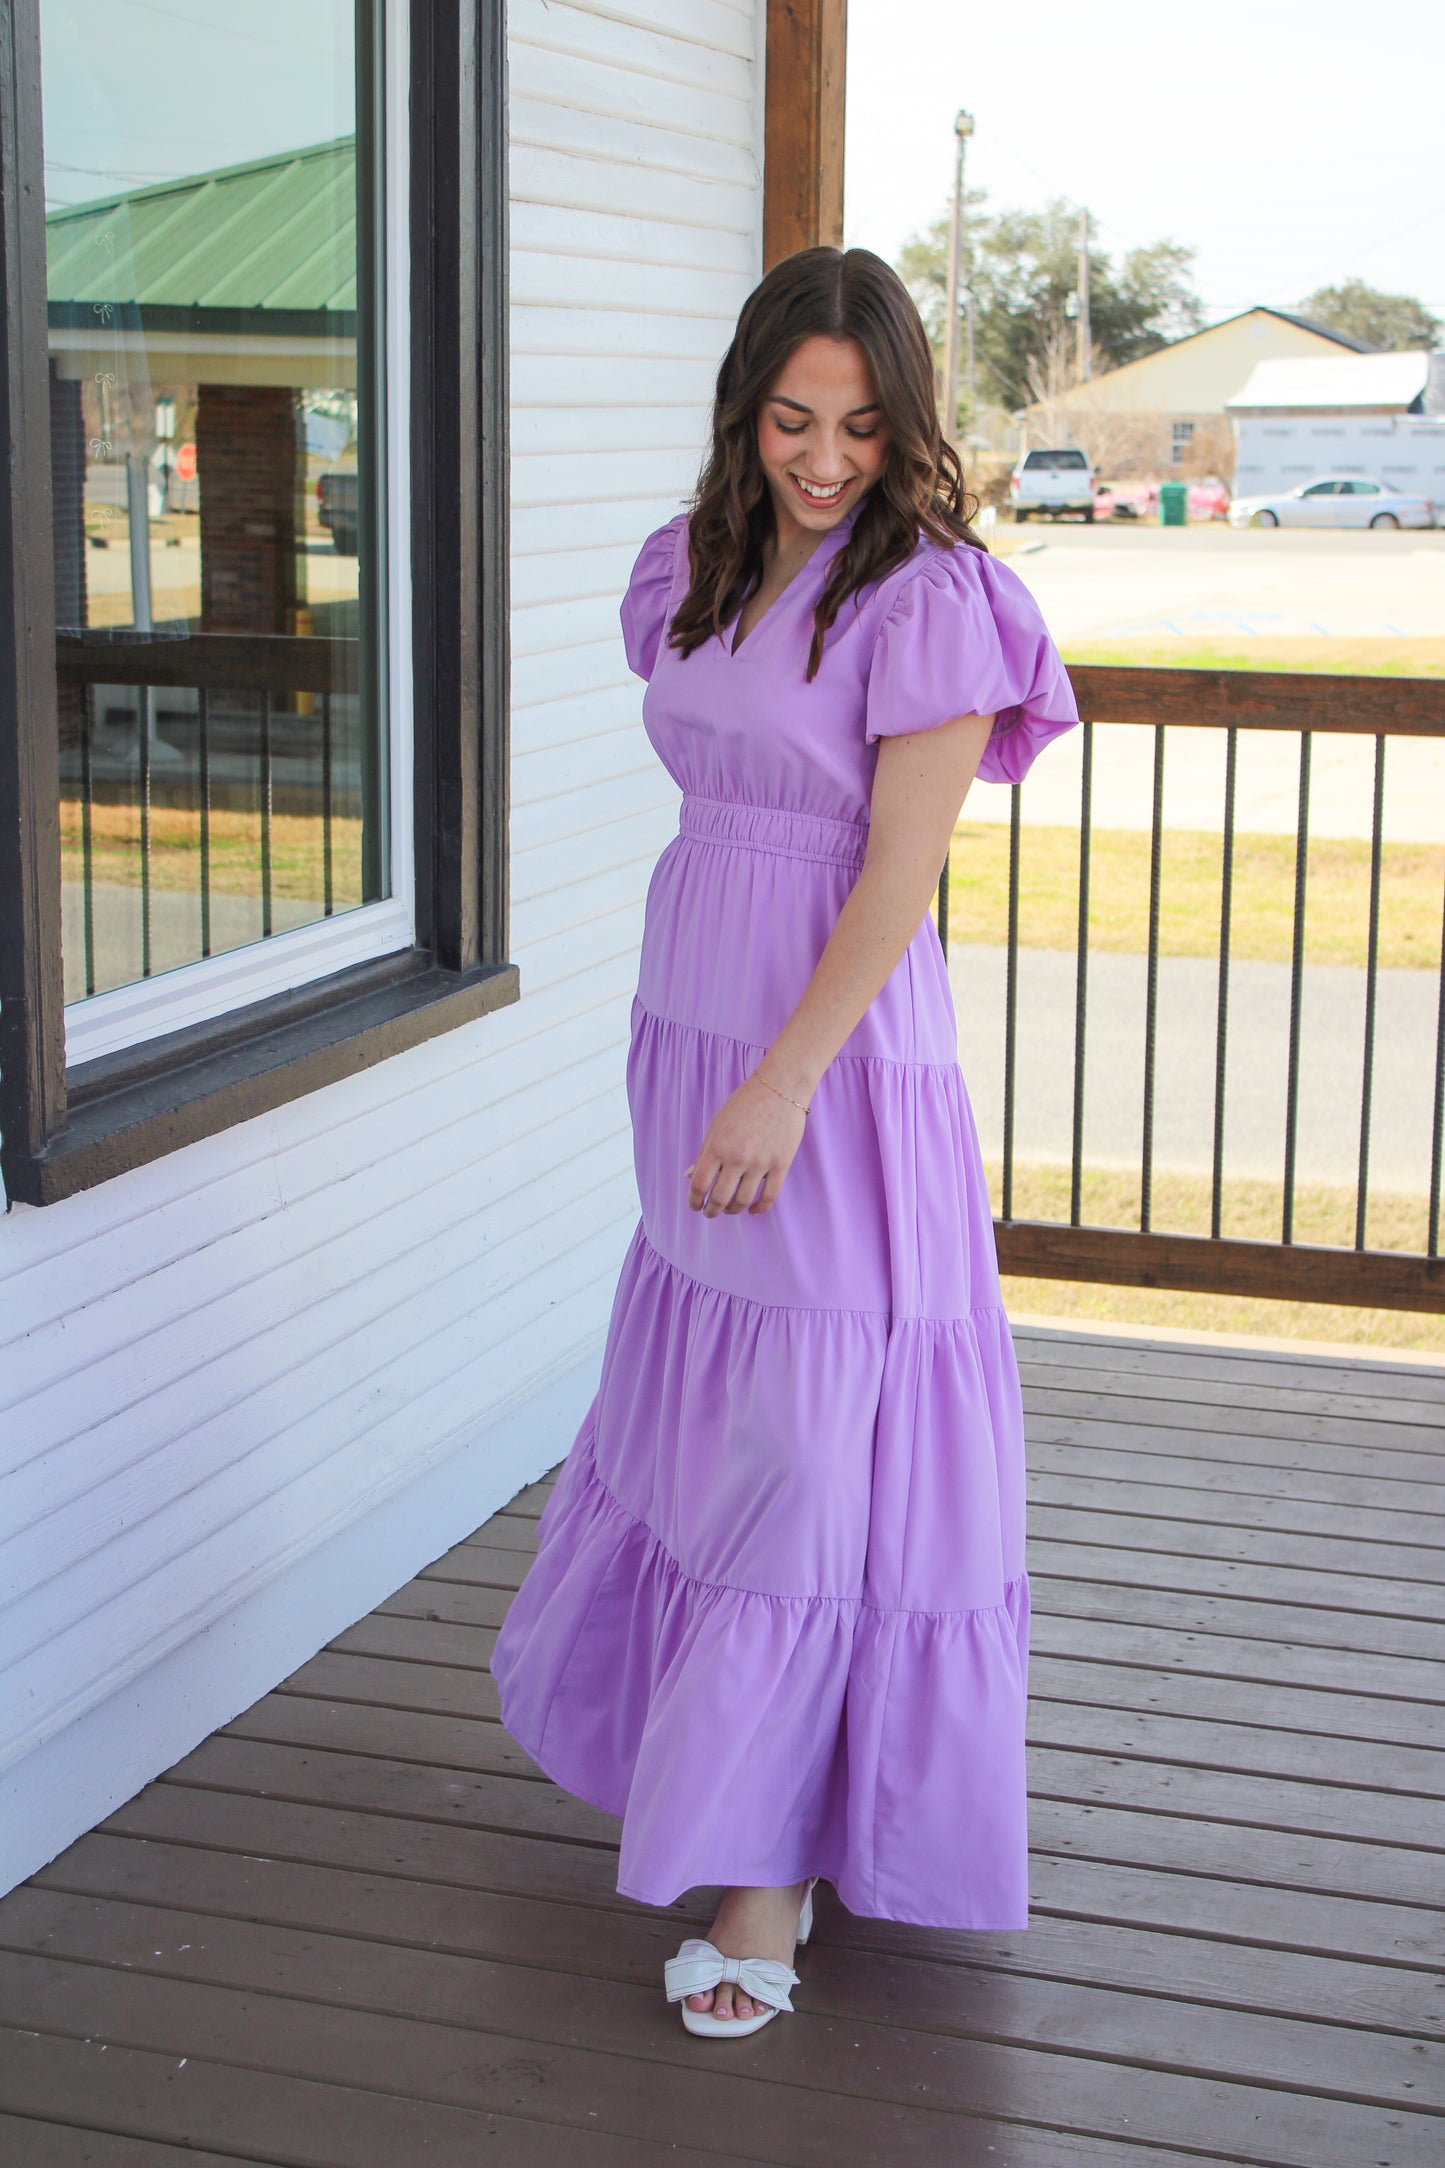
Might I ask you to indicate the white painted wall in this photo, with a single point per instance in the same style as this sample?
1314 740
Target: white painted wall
1404 451
249 1390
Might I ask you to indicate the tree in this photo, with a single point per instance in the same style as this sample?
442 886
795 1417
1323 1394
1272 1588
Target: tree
1393 322
1023 267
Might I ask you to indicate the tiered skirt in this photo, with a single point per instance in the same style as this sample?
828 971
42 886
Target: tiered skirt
778 1619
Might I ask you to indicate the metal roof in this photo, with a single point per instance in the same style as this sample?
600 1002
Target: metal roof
1392 383
276 235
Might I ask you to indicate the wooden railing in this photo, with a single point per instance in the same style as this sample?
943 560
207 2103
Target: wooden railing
1230 701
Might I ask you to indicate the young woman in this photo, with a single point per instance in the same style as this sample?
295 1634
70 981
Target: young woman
778 1617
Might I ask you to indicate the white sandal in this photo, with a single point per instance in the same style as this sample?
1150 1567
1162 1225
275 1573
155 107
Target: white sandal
700 1965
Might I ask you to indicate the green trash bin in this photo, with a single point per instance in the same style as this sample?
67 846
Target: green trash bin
1173 504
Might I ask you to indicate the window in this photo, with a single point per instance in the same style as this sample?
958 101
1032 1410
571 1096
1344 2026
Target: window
1064 462
253 761
1181 436
218 435
1323 489
1359 489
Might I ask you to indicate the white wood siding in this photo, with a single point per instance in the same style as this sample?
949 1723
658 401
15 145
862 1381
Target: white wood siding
248 1390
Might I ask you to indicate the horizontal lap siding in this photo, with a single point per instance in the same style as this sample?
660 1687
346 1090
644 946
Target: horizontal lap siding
208 1366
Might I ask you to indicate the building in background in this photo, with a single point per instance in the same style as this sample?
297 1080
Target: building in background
1380 415
1167 413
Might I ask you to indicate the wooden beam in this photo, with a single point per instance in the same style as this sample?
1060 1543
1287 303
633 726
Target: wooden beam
803 134
1260 699
1297 1272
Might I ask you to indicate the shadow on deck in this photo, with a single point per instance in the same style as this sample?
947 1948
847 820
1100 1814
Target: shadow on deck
356 1929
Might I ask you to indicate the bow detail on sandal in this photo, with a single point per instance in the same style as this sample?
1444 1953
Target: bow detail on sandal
699 1966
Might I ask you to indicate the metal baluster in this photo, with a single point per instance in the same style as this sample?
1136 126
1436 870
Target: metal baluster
1437 1136
1151 987
1296 988
87 831
1372 958
1081 990
1011 1001
203 755
326 755
1221 1014
942 913
144 698
265 814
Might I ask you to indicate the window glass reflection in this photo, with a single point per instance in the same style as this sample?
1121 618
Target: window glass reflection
212 177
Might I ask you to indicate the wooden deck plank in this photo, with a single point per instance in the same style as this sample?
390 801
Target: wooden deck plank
1417 1684
404 1943
296 2122
1262 1742
515 1996
1395 1998
28 2144
1345 1399
1186 1362
1210 1449
1388 1525
1142 1820
1162 1412
819 2084
1393 1481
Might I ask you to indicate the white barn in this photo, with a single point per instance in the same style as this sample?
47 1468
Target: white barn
295 1289
1381 415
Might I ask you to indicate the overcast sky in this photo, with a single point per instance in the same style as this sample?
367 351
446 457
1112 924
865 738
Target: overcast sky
1292 143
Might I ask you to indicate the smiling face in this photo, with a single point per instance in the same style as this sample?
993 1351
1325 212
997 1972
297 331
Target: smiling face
822 438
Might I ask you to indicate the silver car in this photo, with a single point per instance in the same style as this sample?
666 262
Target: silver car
1335 500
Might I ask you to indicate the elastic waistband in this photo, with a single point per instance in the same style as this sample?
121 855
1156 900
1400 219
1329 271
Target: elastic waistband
774 828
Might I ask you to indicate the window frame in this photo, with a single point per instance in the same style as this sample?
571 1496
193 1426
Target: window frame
213 987
63 1130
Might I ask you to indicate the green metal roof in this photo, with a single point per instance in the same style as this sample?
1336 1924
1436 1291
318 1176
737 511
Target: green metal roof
275 237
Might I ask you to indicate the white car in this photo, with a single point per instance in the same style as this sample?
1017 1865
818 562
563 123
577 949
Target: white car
1335 500
1053 482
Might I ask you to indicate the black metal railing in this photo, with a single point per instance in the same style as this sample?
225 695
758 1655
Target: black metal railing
266 671
1231 701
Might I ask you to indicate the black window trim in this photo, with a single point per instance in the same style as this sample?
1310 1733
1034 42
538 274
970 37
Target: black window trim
64 1132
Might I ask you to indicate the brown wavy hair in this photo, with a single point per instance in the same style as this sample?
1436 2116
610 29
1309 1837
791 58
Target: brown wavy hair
836 294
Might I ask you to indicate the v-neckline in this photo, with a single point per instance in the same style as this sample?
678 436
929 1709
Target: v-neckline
825 548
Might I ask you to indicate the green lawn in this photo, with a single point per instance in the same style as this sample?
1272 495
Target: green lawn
1336 907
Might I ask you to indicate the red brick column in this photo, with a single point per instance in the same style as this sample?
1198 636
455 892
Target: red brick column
250 458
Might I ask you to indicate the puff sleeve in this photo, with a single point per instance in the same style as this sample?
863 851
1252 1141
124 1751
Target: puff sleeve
645 608
964 636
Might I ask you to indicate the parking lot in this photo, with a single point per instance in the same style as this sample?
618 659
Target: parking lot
1229 586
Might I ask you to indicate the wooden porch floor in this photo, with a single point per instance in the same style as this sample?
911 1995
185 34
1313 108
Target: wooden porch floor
356 1929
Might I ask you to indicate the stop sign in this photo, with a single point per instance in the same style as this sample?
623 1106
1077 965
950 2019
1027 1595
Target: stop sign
186 462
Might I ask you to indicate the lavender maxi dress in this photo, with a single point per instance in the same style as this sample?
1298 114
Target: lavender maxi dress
778 1618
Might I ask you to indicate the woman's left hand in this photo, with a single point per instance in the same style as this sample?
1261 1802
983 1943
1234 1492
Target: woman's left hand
748 1149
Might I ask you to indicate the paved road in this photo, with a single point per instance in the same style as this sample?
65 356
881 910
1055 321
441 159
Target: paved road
1332 1038
1227 587
1231 585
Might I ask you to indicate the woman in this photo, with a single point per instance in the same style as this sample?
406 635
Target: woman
778 1616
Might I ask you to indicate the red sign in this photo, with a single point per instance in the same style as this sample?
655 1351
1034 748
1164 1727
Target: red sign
186 462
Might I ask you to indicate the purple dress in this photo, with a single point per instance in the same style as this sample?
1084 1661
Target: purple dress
778 1618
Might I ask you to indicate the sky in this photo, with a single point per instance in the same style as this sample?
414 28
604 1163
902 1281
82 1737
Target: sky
141 90
1286 141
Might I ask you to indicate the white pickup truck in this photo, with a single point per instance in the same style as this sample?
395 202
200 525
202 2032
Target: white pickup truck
1055 481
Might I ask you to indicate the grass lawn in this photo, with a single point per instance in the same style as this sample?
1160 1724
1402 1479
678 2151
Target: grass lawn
296 854
1251 1212
1384 656
1336 908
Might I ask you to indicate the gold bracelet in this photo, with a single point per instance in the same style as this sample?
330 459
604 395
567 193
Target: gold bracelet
792 1102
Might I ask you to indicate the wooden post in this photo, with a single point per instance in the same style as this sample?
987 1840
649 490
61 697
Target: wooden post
803 135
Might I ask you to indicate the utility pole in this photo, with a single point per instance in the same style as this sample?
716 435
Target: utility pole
962 130
1085 342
